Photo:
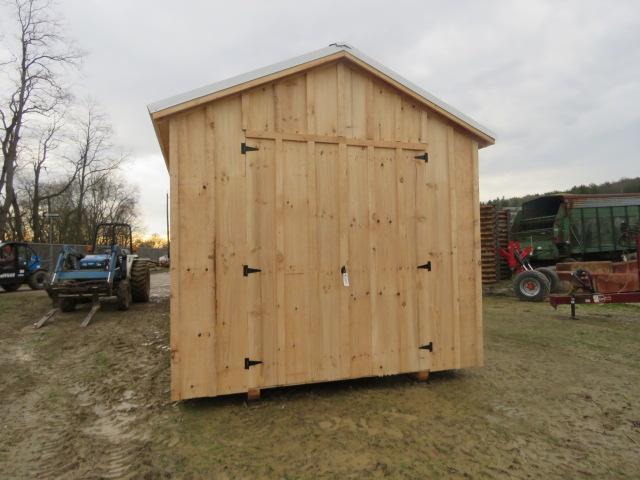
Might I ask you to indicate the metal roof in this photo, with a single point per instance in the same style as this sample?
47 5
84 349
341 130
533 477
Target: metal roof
311 56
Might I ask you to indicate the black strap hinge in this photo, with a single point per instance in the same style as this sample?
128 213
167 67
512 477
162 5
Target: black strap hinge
428 346
426 266
250 363
244 148
424 156
246 270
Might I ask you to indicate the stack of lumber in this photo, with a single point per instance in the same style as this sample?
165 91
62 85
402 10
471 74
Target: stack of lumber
503 225
488 236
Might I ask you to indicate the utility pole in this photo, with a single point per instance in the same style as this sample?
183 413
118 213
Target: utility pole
168 241
50 216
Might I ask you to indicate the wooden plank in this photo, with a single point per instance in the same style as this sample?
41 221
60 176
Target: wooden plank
306 137
280 265
258 109
360 299
426 248
455 283
195 315
344 103
312 271
46 317
311 101
359 88
385 260
291 105
328 259
296 257
177 390
437 228
345 292
407 301
261 238
87 319
468 262
326 98
230 246
478 334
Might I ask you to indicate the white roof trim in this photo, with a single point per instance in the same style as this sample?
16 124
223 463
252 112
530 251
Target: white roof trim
309 57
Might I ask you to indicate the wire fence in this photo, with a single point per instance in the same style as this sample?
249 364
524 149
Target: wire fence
49 253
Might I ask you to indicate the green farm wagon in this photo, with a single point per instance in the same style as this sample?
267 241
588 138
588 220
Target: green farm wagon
582 227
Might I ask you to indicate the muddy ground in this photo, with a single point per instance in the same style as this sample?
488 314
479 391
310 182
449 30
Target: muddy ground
556 399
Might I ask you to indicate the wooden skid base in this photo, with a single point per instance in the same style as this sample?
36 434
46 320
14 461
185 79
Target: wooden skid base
253 394
422 376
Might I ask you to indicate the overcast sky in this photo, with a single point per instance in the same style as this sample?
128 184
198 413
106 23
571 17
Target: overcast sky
557 81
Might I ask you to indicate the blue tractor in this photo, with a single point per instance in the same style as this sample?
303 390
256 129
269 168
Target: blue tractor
110 269
19 264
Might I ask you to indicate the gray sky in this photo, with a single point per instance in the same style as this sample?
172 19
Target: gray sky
557 81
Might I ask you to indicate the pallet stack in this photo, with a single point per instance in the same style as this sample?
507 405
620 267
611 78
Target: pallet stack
503 225
488 235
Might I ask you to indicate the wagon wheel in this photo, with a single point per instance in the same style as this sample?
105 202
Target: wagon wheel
531 286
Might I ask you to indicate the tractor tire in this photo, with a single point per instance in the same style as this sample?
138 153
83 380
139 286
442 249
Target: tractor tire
38 280
552 276
531 286
124 295
67 304
140 281
11 287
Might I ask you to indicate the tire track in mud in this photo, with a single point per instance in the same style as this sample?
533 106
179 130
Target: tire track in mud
91 415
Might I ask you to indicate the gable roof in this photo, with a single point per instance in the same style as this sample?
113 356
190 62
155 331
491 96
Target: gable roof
334 51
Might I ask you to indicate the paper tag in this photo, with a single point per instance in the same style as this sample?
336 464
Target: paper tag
345 276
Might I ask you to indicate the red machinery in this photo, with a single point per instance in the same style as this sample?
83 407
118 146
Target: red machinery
617 283
530 284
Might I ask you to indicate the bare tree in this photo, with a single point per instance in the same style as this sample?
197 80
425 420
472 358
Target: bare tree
33 78
95 156
40 190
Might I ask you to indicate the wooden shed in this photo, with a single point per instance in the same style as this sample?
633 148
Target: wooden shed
324 226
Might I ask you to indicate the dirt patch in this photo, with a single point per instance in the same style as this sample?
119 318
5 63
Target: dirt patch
557 398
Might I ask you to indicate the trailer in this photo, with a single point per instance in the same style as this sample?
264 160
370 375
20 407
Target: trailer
577 227
600 282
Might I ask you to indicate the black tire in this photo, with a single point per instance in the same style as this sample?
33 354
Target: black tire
552 276
531 286
67 304
124 295
11 287
140 281
38 280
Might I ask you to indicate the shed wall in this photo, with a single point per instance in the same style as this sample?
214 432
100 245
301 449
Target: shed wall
334 183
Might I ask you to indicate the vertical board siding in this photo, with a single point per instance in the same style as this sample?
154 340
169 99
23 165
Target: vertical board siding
438 224
194 302
327 258
299 210
230 246
261 245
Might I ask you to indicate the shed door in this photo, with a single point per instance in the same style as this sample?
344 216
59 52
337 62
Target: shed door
312 208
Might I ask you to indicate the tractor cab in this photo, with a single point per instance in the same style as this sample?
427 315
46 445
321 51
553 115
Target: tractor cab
20 264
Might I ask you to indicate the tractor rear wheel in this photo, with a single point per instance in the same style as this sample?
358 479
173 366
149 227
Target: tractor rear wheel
124 295
11 287
140 281
38 280
531 286
552 276
67 304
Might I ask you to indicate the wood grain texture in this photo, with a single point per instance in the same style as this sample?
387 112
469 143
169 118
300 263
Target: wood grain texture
334 183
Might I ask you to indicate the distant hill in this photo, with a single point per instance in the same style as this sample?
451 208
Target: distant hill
624 185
